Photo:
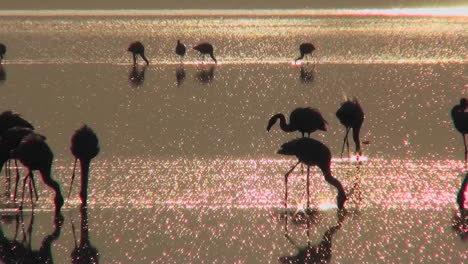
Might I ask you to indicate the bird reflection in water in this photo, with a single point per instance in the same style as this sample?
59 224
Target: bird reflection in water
136 75
460 220
3 75
84 251
206 74
307 73
15 251
314 253
180 75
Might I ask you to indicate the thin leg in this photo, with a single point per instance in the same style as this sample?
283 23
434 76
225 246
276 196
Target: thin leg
466 148
31 192
73 177
16 186
344 141
286 185
308 188
8 180
24 185
34 188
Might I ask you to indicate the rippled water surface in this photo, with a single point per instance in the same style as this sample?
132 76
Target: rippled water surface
187 171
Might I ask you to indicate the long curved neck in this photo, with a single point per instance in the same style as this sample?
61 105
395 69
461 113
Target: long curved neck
283 125
300 57
213 57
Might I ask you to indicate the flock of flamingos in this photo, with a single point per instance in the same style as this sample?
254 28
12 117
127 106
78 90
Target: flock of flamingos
18 141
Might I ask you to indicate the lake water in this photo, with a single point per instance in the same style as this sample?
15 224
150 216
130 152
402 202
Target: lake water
187 171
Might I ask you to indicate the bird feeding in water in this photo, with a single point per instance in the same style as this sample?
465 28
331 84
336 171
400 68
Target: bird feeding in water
85 147
304 120
137 48
351 116
305 49
312 153
180 50
205 48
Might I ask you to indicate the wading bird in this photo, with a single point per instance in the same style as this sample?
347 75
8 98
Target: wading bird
205 48
35 154
304 120
180 50
351 115
84 146
2 51
312 153
460 121
305 49
137 48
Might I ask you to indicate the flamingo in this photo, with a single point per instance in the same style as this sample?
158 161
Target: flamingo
180 49
351 115
460 121
35 154
84 146
206 48
2 51
305 49
304 120
311 152
137 48
10 140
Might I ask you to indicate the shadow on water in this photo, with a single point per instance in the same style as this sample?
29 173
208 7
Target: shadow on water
314 253
84 251
136 75
20 251
307 73
205 74
460 219
180 75
3 74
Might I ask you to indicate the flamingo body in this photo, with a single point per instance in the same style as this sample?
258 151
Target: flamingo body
180 49
3 50
206 48
351 116
304 120
137 48
305 49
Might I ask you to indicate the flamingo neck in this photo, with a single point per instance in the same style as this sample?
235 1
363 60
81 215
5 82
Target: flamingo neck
283 125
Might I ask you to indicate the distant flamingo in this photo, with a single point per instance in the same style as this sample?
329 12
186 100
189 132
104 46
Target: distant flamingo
305 49
311 152
84 146
460 121
351 115
137 48
180 49
304 120
35 154
2 51
10 140
206 48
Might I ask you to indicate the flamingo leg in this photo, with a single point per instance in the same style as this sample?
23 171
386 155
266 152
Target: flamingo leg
308 188
8 180
73 177
16 185
30 185
344 141
34 188
24 185
286 185
466 148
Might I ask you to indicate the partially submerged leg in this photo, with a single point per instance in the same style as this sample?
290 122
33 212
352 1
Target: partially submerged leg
345 140
286 184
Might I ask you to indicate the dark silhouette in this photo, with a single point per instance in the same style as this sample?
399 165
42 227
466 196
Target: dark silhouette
305 49
3 50
460 121
84 146
84 252
461 194
206 75
14 251
180 75
35 154
137 76
304 120
10 140
205 48
3 74
307 75
319 253
311 152
137 48
351 115
180 50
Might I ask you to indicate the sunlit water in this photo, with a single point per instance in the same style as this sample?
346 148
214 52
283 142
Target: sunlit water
187 171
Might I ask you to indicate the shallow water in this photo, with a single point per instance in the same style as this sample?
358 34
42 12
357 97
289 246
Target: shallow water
187 171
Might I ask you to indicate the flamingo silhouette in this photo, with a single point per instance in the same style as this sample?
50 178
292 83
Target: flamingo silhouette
351 115
305 49
2 51
311 152
35 154
84 146
460 121
10 140
205 48
137 48
304 120
180 49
